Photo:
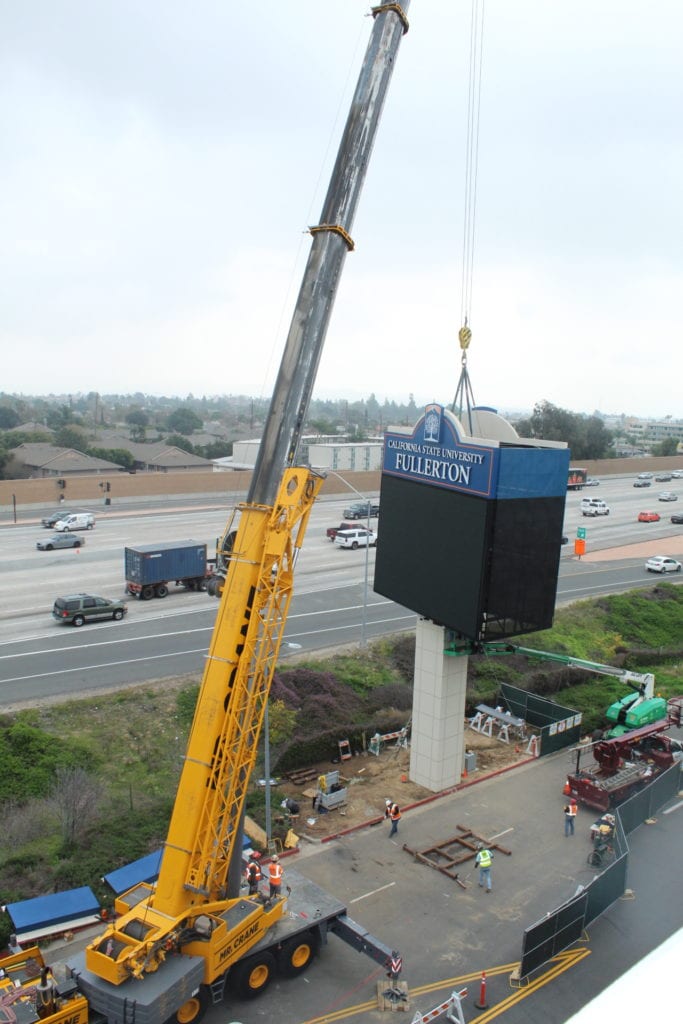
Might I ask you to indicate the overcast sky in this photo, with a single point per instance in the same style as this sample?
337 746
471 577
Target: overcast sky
161 160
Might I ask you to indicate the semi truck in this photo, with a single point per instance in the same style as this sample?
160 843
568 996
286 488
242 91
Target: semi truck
178 947
150 568
576 479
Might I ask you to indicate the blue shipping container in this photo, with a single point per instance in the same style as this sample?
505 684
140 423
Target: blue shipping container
173 560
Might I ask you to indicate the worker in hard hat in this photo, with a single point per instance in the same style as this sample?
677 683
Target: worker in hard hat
392 812
483 862
254 873
570 810
275 875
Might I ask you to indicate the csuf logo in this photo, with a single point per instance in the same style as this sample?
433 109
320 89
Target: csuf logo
432 423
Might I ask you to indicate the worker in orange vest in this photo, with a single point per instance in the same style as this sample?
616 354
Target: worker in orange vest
391 810
275 875
254 873
569 815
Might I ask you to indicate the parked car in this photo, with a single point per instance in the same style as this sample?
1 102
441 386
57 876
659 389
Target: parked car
661 563
49 521
667 496
677 517
677 474
645 476
648 517
60 540
332 531
76 521
592 481
640 482
79 608
663 477
356 537
361 510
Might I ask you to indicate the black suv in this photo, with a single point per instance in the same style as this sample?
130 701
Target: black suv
79 608
49 521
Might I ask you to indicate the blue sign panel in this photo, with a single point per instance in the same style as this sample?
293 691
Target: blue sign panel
435 454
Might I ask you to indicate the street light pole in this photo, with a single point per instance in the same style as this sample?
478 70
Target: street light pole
364 617
266 755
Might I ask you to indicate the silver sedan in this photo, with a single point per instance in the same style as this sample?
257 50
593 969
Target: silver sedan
60 540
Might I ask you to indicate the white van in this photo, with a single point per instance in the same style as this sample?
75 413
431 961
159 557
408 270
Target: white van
75 521
594 507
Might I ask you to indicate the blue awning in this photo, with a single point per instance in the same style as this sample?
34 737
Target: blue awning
145 869
47 913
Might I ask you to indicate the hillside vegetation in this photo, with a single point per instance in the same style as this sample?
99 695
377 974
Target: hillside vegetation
89 784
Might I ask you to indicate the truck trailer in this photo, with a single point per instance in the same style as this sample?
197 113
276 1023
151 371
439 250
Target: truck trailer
150 568
576 479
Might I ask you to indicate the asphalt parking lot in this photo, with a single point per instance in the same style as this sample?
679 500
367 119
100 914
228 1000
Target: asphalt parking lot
449 936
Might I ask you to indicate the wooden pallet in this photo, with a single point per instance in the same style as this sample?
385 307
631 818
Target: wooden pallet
392 995
302 776
446 856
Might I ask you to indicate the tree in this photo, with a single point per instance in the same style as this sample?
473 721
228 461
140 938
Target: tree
179 441
72 437
669 446
216 450
57 417
120 456
137 420
75 798
322 426
8 418
183 421
586 436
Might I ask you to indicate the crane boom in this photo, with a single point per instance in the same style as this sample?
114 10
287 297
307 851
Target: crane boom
331 242
190 910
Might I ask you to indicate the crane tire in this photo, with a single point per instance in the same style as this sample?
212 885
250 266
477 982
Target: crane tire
193 1009
297 953
251 976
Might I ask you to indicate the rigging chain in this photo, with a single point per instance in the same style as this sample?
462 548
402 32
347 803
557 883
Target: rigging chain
464 397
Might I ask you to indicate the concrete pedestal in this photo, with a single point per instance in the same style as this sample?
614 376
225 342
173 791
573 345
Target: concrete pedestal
437 744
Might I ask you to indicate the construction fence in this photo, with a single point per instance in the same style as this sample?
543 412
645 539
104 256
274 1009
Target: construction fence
567 923
556 725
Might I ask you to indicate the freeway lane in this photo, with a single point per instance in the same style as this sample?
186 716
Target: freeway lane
109 655
40 659
158 641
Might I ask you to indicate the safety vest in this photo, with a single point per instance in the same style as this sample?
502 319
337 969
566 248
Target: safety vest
253 871
395 813
485 858
572 810
275 873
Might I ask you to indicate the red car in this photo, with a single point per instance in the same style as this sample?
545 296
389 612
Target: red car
648 517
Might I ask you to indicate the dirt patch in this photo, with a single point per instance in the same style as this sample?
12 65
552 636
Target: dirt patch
370 781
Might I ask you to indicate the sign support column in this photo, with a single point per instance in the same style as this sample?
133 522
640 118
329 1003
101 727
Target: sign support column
437 736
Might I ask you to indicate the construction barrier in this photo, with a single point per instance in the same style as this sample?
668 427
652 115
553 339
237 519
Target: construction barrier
452 1004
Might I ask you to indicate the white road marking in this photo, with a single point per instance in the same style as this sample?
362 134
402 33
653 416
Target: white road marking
373 893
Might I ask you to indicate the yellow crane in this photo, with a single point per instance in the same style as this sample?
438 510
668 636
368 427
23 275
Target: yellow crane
174 947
